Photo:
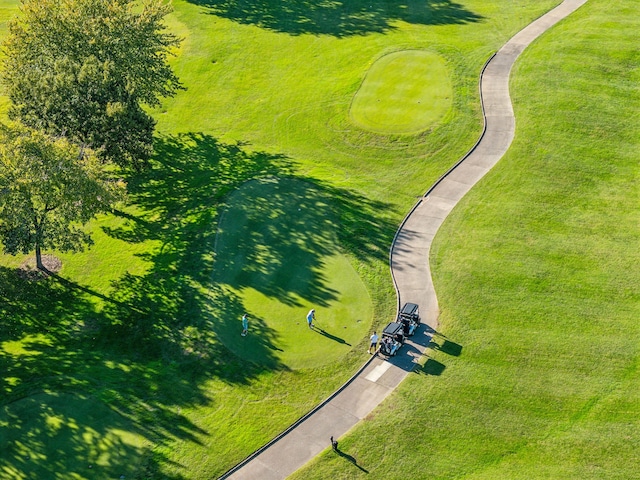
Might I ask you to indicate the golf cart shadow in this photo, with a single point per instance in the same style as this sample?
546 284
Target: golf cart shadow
413 349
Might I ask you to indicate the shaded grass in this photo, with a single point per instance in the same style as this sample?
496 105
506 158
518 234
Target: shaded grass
536 277
147 345
142 340
278 251
104 444
339 18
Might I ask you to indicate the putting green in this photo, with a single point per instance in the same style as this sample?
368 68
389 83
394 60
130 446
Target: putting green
403 92
60 436
277 256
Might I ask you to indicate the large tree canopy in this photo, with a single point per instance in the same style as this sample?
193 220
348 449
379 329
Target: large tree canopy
48 190
85 68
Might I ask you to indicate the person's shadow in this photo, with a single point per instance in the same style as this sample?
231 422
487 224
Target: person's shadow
324 333
346 456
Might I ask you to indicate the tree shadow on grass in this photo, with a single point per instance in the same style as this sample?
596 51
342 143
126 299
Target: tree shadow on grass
340 18
65 395
283 229
273 237
145 349
277 234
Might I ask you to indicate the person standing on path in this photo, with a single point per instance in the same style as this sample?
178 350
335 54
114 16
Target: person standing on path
374 343
311 316
245 325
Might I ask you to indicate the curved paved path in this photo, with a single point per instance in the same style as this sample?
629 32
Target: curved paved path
410 268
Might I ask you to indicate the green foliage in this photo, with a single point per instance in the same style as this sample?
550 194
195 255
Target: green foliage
48 189
274 101
85 69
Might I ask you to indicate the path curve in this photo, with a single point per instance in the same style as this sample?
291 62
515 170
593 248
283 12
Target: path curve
409 259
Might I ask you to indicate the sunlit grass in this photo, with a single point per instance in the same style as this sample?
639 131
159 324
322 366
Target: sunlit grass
278 252
536 277
403 92
132 322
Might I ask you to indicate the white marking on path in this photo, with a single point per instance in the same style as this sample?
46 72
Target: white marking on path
377 372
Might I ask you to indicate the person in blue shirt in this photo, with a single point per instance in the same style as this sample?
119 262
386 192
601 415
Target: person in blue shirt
245 325
311 316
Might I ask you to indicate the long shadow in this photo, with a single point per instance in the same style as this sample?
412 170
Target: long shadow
432 366
416 347
63 390
350 459
330 336
340 18
450 348
413 348
277 234
275 239
143 350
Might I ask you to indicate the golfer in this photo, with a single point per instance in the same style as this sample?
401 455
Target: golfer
245 325
374 343
311 316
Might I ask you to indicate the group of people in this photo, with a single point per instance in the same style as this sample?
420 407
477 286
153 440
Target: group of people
311 316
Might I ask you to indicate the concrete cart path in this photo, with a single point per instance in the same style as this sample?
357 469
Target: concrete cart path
412 277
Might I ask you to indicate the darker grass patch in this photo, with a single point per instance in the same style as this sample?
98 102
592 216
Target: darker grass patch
84 438
432 367
146 348
29 271
340 18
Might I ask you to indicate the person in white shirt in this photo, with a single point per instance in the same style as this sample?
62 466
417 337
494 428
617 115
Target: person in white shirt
374 343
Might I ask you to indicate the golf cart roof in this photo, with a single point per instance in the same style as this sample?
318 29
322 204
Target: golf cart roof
392 329
409 309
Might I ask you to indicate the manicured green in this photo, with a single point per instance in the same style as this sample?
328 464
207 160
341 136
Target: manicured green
403 92
535 372
138 322
277 251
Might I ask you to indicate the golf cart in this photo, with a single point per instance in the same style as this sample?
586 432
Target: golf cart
409 317
392 339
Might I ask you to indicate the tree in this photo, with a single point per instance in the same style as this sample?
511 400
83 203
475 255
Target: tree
48 190
86 68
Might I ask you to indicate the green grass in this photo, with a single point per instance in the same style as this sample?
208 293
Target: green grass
536 272
278 253
144 323
104 444
403 92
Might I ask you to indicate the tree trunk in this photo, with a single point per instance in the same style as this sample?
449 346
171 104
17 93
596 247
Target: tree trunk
39 264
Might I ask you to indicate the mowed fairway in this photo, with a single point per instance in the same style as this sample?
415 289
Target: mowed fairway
536 373
403 92
278 253
145 326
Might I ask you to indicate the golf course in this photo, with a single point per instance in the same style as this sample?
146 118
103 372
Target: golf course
305 134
